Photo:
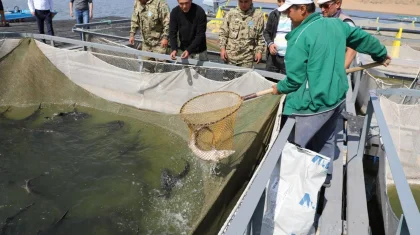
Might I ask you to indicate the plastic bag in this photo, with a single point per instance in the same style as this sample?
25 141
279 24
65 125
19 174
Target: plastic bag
292 192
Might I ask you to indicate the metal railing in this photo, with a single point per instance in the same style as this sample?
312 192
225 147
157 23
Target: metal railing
411 216
132 51
238 223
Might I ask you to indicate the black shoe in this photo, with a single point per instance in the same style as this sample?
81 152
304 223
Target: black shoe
327 182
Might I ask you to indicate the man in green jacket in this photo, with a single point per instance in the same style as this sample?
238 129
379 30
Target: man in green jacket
316 81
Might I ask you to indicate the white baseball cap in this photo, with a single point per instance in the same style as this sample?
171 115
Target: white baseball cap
286 5
323 1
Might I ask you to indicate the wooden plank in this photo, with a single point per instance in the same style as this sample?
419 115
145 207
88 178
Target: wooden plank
330 221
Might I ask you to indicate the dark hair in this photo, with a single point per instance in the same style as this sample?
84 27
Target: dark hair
310 8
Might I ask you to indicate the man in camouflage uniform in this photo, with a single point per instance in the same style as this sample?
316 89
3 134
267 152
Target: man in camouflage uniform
152 17
240 36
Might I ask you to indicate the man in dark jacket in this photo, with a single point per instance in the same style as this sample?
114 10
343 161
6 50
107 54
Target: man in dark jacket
278 25
188 21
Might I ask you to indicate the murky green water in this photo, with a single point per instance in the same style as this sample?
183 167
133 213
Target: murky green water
395 201
102 169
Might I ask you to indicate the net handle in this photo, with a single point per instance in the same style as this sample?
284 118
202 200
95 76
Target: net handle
367 66
257 94
350 70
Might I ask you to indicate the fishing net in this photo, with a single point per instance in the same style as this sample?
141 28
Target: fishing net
403 124
400 73
211 119
401 114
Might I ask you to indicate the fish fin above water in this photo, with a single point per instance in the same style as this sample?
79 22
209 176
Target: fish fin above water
56 224
29 187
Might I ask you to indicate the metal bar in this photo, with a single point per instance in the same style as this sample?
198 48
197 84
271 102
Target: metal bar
244 212
349 98
84 40
386 19
357 76
264 8
210 18
357 214
330 222
101 34
412 85
413 31
103 23
408 204
398 91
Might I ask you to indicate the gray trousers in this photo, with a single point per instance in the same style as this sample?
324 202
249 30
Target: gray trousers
317 133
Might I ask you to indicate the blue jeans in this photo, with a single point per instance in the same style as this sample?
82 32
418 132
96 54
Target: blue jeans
82 16
317 133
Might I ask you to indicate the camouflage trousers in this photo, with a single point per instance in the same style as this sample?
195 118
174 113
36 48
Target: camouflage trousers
244 64
155 65
232 74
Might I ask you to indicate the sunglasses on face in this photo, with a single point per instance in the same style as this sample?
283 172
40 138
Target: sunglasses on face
326 5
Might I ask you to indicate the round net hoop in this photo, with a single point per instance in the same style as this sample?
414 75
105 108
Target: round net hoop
211 118
209 108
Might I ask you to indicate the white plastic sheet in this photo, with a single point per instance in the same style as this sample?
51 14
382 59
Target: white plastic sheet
293 192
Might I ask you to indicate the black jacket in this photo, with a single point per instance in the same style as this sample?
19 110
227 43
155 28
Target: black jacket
270 30
274 63
190 28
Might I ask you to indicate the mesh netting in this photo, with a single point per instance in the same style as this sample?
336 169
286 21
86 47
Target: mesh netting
211 119
403 124
133 63
116 28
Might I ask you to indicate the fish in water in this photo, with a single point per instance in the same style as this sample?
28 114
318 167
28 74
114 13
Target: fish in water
29 187
168 179
74 114
214 154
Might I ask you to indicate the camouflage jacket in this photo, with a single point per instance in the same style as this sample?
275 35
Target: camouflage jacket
152 19
241 34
